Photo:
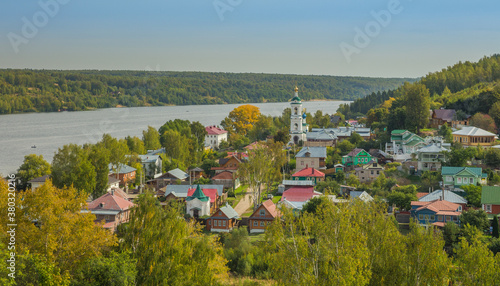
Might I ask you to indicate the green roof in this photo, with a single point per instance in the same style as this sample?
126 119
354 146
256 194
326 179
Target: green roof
198 194
490 195
398 132
455 170
296 98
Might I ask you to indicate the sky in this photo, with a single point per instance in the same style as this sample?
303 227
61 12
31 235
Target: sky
389 38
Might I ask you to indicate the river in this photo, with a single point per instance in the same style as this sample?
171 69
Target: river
50 131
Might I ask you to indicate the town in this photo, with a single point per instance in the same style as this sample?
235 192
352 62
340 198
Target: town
271 199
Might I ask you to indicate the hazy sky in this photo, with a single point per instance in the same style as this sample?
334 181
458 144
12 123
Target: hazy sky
350 37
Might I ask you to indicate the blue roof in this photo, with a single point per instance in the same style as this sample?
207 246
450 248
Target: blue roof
121 169
455 170
314 152
179 174
149 158
448 196
229 211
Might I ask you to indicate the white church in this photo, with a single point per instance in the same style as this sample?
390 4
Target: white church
298 125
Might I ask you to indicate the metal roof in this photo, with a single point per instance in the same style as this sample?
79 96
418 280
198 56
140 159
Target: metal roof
472 131
314 152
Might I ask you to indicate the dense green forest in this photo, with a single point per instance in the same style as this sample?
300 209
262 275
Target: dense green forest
52 90
465 86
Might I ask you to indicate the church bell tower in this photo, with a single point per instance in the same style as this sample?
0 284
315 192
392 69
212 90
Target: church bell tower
298 125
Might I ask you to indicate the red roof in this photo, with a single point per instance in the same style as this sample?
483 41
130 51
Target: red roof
309 172
254 145
438 206
419 195
270 207
226 175
214 130
211 193
110 202
299 194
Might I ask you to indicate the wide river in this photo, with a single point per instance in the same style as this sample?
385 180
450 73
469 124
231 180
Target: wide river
50 131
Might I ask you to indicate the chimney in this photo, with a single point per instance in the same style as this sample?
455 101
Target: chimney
313 170
442 192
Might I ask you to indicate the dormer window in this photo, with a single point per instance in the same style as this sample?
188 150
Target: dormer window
262 213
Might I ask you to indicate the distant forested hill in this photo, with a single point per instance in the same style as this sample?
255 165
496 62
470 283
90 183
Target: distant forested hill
470 87
51 90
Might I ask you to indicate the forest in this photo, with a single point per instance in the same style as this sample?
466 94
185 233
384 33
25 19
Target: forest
466 86
54 90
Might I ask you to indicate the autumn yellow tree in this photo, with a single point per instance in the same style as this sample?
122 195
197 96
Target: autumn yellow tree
51 229
241 119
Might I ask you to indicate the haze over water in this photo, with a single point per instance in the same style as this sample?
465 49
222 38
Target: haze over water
50 131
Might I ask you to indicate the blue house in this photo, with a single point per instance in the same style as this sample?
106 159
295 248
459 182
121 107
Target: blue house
437 212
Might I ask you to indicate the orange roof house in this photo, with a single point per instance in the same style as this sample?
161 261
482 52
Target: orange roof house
262 217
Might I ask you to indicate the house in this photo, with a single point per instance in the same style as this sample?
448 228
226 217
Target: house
311 157
151 164
300 194
363 196
440 117
223 220
195 174
335 119
111 207
38 182
403 142
215 136
309 174
437 212
345 191
197 203
340 133
157 151
229 164
227 179
171 177
445 195
460 176
320 138
125 173
430 157
473 136
287 184
113 183
369 172
357 157
182 192
490 200
381 156
263 216
339 168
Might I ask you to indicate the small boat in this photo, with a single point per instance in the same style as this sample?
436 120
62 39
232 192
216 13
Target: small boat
34 146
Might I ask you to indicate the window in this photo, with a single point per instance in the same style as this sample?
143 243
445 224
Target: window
426 217
421 217
378 172
255 223
302 163
459 208
440 218
471 180
433 218
459 180
449 179
223 223
209 222
262 223
448 218
372 172
488 208
262 213
455 218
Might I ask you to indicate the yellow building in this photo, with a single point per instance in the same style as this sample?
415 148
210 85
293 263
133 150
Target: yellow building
473 136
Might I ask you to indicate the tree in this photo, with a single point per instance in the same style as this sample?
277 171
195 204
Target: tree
176 145
446 132
135 145
473 195
99 158
114 269
71 167
151 138
492 157
475 263
62 234
355 139
483 121
476 218
33 166
451 233
199 132
401 200
241 119
417 105
282 136
118 150
495 112
168 250
352 181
